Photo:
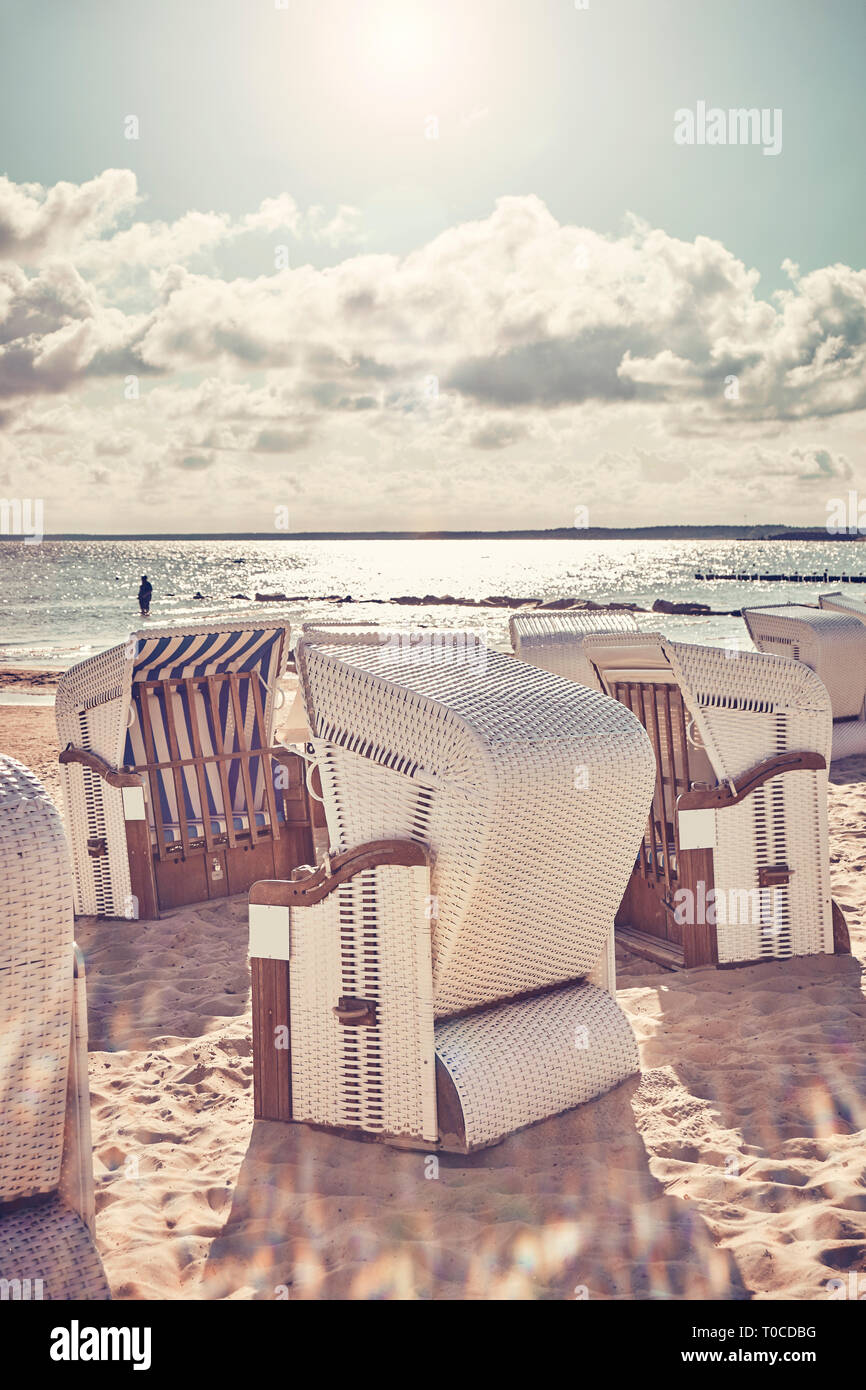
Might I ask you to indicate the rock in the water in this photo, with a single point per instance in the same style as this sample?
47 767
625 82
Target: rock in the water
663 605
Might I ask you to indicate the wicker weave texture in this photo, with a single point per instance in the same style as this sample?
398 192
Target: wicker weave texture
747 707
370 939
36 984
743 708
849 738
784 822
554 641
50 1250
843 603
574 622
532 799
832 644
374 635
91 711
751 705
92 702
45 1242
522 1062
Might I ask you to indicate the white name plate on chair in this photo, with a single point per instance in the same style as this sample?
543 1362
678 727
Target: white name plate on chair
697 829
133 803
269 932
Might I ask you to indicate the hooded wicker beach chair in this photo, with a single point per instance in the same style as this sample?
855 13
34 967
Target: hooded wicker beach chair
446 977
734 865
175 792
46 1161
843 603
832 643
553 635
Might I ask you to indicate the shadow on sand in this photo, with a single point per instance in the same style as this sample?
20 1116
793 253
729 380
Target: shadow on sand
564 1210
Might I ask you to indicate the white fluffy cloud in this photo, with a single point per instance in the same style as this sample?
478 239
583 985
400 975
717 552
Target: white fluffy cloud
512 364
37 221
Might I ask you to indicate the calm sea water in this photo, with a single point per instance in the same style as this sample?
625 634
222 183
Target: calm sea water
63 600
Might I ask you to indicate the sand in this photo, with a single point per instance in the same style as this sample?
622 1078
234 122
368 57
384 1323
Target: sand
734 1167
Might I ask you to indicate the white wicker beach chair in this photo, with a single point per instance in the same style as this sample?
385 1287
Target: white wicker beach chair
832 643
174 790
377 635
46 1161
447 976
554 635
734 866
843 603
336 634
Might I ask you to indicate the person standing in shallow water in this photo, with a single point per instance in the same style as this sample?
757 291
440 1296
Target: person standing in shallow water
144 594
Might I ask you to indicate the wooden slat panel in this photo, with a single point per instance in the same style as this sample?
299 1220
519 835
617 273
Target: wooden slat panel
661 772
674 718
654 948
152 776
177 774
242 746
180 881
623 694
680 731
700 943
639 698
669 730
267 763
141 875
272 1066
201 776
212 684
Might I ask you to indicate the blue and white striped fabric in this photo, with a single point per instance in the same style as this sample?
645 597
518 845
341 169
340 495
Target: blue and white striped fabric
256 655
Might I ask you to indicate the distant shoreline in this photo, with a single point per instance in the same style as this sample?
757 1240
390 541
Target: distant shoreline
765 532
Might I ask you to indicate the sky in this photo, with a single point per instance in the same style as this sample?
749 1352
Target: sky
360 264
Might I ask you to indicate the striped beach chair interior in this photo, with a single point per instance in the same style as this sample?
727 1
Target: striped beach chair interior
201 707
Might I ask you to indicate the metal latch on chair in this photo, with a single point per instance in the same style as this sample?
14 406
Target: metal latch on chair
97 847
774 875
356 1013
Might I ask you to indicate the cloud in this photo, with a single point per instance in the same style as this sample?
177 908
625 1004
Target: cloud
640 369
195 462
55 331
343 229
281 441
501 313
37 221
820 465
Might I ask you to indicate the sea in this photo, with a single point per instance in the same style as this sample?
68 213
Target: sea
61 601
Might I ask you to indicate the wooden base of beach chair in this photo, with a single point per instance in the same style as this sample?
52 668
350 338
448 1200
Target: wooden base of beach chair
217 865
202 874
647 924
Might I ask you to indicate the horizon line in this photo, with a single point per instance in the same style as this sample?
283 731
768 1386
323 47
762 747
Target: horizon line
743 530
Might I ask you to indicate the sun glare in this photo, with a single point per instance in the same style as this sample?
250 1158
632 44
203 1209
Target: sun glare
400 41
